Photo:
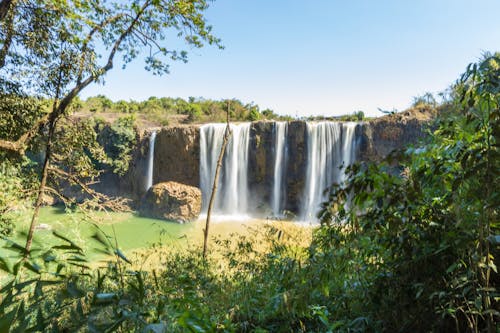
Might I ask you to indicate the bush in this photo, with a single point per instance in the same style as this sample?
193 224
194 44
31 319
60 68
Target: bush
430 228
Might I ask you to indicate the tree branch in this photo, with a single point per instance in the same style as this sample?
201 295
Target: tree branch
4 8
103 201
19 146
88 39
66 101
9 30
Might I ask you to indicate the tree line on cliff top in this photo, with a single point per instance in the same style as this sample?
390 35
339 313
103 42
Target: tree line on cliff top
196 110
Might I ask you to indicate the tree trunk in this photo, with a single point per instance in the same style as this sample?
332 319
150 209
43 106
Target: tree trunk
41 188
227 135
4 8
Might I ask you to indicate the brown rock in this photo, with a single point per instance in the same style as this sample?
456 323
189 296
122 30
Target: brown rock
261 162
176 156
381 136
172 201
296 164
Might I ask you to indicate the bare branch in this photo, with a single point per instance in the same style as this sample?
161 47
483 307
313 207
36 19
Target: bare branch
227 135
103 201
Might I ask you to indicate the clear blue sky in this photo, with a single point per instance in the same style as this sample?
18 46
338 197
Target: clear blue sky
324 57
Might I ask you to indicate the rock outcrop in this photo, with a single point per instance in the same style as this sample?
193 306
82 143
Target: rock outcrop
261 162
177 155
383 135
296 164
172 201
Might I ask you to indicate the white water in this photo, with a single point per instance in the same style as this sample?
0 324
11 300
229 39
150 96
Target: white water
151 154
330 147
232 193
280 132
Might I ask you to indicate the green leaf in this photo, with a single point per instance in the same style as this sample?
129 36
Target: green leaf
105 298
7 320
71 245
122 256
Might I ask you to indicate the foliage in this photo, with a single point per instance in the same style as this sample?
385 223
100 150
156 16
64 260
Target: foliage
355 116
18 113
426 99
118 139
17 184
41 38
196 110
434 223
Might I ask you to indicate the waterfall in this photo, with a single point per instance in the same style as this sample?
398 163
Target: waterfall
280 132
348 145
232 191
151 154
330 145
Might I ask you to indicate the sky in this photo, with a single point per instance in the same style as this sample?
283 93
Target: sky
323 57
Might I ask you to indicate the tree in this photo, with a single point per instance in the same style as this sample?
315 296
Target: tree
425 99
54 49
431 233
359 115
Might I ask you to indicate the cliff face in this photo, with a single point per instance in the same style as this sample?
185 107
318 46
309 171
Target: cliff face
177 155
261 161
134 181
382 135
296 166
177 149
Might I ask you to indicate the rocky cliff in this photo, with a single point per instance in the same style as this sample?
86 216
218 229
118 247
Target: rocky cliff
177 150
383 135
176 156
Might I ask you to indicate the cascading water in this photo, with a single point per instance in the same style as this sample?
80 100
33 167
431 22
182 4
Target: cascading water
348 145
280 132
330 146
151 154
232 193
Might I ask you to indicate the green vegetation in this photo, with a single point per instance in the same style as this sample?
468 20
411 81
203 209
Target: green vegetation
165 110
406 249
410 244
355 116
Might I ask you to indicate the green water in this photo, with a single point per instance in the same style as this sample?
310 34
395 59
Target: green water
126 230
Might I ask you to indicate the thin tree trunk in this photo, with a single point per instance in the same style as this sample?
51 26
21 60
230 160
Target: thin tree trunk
46 164
41 188
227 135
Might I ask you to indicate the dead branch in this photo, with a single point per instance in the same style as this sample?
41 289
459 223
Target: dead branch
227 135
102 201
